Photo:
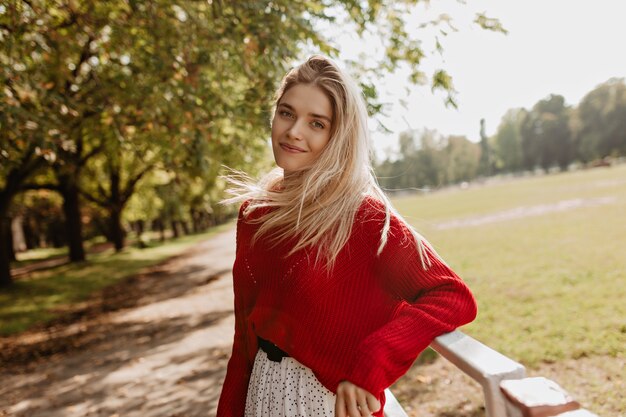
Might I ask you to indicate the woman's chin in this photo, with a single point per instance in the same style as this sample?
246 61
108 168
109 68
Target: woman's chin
289 167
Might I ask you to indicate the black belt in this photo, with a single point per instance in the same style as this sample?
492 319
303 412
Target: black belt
274 353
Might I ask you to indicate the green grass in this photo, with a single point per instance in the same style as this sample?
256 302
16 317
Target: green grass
31 300
549 287
37 255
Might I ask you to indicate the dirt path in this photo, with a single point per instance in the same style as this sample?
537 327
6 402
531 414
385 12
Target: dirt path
526 211
158 345
165 356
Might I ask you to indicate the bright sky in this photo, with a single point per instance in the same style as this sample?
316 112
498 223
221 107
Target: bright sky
563 47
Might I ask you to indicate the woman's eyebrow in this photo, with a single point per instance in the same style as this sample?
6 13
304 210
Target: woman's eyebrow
319 116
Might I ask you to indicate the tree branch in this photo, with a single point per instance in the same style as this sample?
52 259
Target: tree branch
88 196
85 54
44 186
96 150
130 186
103 192
16 176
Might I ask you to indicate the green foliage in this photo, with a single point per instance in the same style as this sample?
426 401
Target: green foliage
600 121
507 145
429 161
549 135
553 134
461 159
489 23
546 138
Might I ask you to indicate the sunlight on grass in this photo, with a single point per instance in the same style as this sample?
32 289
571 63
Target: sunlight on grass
549 287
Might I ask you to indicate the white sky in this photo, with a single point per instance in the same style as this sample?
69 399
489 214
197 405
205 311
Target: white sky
563 47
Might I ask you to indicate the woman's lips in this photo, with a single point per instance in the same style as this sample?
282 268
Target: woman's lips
291 149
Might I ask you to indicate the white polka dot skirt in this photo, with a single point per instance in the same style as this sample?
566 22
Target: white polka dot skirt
286 389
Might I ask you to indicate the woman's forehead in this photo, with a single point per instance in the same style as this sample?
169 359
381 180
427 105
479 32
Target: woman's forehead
307 98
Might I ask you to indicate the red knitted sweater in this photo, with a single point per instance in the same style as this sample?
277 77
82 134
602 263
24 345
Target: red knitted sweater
366 322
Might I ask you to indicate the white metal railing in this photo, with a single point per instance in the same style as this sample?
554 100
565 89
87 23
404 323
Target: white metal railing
392 406
483 364
489 368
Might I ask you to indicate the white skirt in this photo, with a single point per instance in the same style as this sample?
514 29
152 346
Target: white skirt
286 389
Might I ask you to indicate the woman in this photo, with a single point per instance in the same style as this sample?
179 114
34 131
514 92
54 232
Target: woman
335 295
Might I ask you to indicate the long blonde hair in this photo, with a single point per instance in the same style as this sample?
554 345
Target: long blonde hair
318 205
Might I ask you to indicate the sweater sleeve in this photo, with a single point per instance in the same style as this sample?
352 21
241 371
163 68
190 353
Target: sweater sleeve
234 390
430 302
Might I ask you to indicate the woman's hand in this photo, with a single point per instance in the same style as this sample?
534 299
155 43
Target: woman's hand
353 401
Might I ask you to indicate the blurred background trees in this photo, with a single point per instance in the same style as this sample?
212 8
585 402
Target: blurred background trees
550 136
118 116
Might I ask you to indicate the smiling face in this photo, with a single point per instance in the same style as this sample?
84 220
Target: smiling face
301 127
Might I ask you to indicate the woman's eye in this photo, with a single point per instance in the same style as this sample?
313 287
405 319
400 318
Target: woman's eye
285 113
318 125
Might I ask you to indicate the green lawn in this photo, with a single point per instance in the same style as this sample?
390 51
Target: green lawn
32 298
40 254
549 286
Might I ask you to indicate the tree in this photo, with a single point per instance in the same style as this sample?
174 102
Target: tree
600 121
546 137
486 159
462 158
508 142
428 159
20 159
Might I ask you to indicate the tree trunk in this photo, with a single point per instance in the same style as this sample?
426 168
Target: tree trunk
10 241
17 231
30 236
175 230
14 179
195 220
210 219
117 231
5 261
185 227
161 230
73 222
139 229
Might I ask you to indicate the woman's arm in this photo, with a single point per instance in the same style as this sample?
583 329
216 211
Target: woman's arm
431 302
234 391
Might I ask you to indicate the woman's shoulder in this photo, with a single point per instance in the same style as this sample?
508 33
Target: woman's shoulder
371 205
242 209
374 209
244 213
373 214
252 209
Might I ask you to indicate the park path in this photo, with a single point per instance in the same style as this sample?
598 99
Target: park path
165 356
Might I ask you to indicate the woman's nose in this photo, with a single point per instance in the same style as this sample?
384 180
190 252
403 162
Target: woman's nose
296 130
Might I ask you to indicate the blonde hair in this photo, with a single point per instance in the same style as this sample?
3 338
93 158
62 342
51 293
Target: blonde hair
318 205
